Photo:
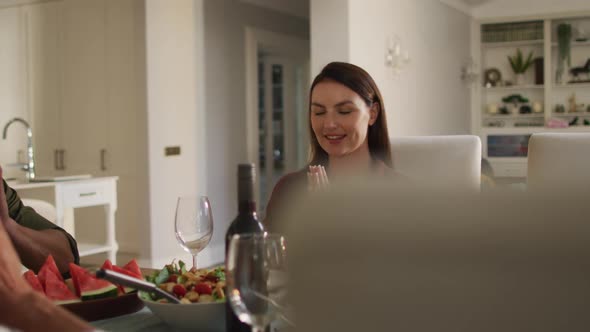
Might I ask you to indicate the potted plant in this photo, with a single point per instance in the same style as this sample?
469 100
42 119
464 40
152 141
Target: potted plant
520 65
564 38
515 99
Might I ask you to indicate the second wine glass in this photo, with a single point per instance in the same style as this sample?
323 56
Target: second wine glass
193 224
256 272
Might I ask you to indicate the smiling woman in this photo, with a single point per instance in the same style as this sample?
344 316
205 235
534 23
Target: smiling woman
348 134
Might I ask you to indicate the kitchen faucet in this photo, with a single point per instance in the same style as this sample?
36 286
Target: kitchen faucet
29 167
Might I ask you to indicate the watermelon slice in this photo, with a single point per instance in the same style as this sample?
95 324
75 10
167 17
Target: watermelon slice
128 273
108 265
88 287
133 267
32 279
57 291
49 267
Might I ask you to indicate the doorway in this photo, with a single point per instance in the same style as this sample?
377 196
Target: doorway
277 78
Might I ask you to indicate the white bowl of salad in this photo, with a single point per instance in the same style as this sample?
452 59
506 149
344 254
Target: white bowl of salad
200 291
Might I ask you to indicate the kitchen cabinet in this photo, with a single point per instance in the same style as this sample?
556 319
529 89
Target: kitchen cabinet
82 68
12 87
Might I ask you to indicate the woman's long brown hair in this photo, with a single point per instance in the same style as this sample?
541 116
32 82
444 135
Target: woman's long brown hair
359 81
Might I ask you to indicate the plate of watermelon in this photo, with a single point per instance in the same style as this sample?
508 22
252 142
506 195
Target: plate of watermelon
84 295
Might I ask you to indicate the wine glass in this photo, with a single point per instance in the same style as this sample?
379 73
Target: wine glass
193 224
256 276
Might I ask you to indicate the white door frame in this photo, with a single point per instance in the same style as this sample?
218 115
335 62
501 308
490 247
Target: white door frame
286 45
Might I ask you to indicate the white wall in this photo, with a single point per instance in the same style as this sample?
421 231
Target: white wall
510 8
428 97
225 22
172 30
329 29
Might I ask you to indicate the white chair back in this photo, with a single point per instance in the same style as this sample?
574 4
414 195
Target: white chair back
558 161
453 161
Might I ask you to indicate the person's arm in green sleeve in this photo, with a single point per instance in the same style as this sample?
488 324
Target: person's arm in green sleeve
23 308
34 237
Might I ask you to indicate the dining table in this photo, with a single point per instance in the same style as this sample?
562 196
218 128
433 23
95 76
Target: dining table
142 320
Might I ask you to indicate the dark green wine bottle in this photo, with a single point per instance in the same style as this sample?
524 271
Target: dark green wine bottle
246 222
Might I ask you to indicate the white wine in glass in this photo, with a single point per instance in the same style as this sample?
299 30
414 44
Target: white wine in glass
193 224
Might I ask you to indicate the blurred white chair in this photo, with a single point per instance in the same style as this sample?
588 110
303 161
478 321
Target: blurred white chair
45 209
558 161
453 161
400 260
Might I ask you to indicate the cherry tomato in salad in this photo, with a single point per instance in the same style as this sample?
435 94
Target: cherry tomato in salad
179 290
203 288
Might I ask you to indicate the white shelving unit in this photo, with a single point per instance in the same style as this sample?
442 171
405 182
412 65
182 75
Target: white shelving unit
513 44
515 87
508 133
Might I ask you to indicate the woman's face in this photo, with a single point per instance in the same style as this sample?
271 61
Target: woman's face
340 118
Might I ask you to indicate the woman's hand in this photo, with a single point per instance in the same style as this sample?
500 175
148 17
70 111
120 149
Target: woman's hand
317 179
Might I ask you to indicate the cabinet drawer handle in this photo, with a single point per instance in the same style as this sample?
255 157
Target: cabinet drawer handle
61 163
103 153
56 159
87 194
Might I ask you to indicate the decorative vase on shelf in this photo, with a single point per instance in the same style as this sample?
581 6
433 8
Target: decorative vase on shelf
564 39
537 107
520 64
559 76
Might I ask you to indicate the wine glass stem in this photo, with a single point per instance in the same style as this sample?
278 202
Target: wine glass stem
195 261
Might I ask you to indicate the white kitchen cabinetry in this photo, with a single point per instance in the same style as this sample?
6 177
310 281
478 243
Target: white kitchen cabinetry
504 128
81 64
42 37
12 86
67 79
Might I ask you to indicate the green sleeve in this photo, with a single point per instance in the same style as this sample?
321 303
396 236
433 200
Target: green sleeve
27 217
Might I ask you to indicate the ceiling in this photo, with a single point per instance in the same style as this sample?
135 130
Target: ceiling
297 8
12 3
476 2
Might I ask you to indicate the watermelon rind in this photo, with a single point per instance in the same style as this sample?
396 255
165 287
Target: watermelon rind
100 293
59 302
89 287
66 301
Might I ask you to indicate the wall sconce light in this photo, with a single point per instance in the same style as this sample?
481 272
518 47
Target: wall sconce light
395 57
469 71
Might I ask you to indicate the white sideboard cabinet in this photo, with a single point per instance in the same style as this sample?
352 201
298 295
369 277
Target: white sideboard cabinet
69 195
